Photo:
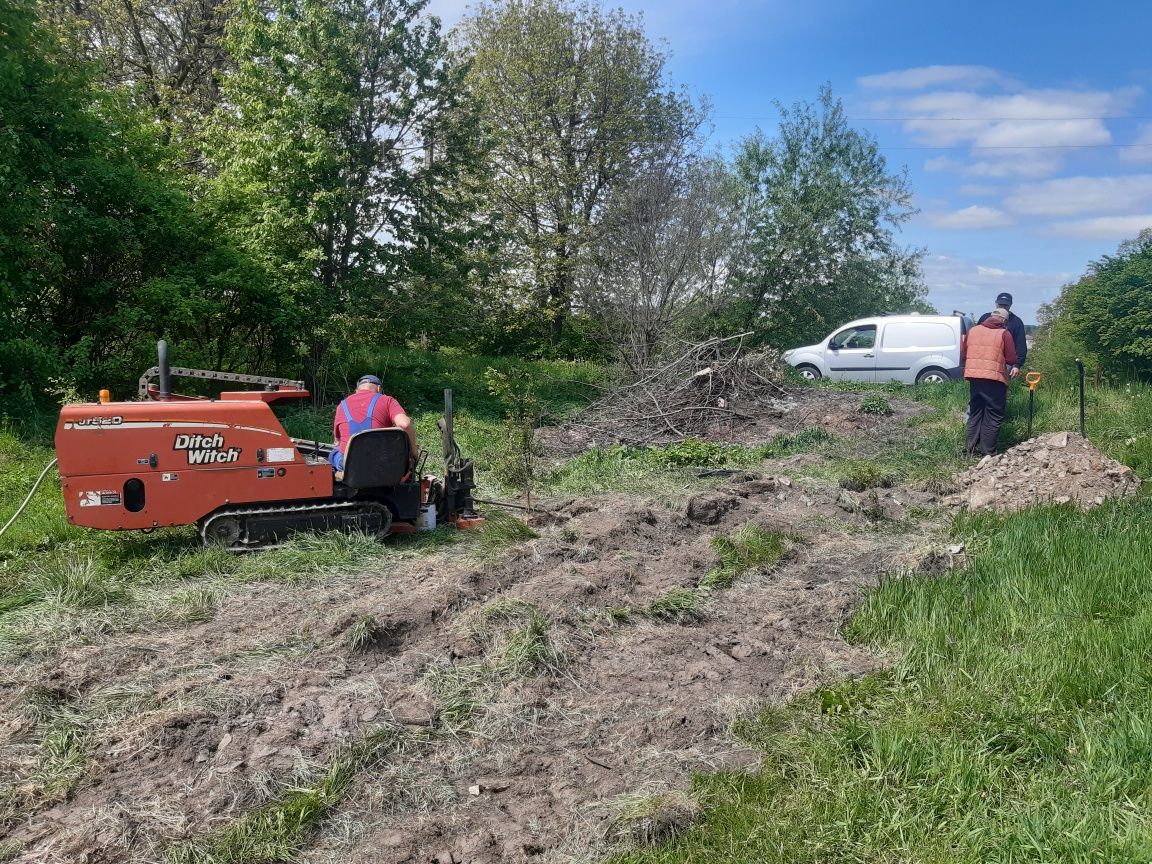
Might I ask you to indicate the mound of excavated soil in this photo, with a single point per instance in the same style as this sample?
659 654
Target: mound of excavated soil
1060 467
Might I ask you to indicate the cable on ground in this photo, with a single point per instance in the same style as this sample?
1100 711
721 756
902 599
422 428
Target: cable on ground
31 492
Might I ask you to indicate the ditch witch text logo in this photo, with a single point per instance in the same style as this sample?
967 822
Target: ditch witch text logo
206 449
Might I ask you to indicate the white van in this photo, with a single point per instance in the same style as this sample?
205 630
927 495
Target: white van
911 349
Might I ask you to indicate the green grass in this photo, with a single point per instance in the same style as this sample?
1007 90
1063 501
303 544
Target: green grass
517 640
1014 726
277 831
650 469
751 548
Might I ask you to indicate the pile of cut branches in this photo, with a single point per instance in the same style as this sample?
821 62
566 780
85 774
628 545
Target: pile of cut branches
714 385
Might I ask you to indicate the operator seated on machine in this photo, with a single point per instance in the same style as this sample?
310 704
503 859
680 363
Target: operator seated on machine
365 409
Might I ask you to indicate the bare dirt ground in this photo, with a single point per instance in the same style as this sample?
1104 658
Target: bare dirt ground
207 719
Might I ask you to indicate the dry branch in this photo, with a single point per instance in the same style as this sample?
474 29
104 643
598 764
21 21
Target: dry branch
714 382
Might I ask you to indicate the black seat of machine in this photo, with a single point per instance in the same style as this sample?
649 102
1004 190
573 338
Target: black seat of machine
376 458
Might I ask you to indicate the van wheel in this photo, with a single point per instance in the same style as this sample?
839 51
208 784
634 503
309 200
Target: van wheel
809 372
932 376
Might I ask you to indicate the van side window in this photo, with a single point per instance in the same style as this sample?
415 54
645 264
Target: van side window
863 336
918 334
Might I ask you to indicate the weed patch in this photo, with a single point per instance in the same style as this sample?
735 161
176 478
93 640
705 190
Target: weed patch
518 641
864 476
876 405
644 819
750 548
77 583
191 606
645 468
364 633
679 606
500 531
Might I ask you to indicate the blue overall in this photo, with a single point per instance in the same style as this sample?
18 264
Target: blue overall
336 457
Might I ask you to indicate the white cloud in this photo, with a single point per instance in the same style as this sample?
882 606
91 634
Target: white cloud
970 218
956 282
1006 164
1031 118
1116 228
1142 151
923 77
1070 196
1009 134
976 190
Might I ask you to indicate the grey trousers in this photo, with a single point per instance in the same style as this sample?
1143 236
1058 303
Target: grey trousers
986 404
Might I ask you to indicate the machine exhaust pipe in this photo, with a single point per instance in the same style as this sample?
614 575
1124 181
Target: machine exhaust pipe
165 373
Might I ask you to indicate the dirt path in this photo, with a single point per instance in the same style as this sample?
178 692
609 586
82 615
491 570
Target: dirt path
199 722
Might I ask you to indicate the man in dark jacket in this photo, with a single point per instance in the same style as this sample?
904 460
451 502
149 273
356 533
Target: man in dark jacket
986 350
1015 327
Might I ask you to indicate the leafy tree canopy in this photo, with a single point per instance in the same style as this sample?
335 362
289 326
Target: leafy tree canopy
821 209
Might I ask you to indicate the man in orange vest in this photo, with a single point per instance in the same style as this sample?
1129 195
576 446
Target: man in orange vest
987 350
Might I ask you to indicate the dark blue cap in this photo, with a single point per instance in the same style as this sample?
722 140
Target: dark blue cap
368 379
1004 299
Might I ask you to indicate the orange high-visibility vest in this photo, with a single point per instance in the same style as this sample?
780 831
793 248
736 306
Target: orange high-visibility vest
985 354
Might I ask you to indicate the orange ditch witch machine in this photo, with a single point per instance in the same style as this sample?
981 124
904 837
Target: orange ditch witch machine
227 466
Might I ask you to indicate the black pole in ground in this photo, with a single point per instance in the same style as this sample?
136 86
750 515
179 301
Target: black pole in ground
1080 369
1031 404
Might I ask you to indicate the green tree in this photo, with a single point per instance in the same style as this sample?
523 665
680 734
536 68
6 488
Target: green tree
1106 315
658 269
166 53
575 104
337 148
101 250
821 212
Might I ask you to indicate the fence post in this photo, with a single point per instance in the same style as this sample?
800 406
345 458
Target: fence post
1080 369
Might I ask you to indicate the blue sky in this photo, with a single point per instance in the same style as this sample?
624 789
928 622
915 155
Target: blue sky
1026 127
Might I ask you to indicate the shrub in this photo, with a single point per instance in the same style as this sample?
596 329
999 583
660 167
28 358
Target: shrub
875 404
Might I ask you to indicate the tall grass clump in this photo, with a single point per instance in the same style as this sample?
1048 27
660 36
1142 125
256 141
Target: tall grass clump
1014 726
500 531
